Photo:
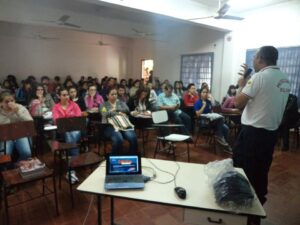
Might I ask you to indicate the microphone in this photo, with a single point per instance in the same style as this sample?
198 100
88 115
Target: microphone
247 73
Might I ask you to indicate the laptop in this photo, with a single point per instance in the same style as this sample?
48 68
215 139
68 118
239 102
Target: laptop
123 172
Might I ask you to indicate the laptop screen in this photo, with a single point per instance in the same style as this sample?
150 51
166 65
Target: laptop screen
123 164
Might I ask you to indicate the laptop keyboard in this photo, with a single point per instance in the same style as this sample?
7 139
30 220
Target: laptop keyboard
123 178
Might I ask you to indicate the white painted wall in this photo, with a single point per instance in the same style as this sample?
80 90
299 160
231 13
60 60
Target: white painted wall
75 53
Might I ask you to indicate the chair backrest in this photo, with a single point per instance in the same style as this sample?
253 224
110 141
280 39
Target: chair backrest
71 124
217 108
160 116
14 131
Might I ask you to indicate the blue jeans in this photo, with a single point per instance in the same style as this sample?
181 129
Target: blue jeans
22 145
220 128
118 137
184 119
73 137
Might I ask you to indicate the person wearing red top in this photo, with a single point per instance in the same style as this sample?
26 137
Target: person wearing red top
190 96
67 108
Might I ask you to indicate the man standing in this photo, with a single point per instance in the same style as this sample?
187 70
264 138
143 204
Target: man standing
264 97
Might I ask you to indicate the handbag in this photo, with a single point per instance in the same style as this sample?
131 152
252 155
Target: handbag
120 122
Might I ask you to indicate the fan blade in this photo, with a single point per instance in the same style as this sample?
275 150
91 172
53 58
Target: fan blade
228 17
46 37
101 43
71 25
223 10
64 18
200 18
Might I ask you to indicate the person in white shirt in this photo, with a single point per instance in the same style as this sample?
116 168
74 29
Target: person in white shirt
264 97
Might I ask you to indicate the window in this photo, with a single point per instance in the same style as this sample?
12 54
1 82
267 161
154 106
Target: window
288 62
197 68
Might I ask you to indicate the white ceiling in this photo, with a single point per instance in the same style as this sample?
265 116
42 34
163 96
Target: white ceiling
133 18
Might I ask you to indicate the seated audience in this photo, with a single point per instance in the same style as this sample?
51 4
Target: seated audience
6 86
152 98
41 102
77 99
11 112
63 109
23 93
228 105
109 109
231 92
83 89
134 88
190 96
139 104
178 89
124 83
170 102
107 84
204 106
122 95
210 97
93 100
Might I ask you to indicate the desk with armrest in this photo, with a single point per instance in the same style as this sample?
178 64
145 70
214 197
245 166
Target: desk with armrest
199 206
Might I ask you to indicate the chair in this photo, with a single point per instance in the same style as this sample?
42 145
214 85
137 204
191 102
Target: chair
14 131
12 177
59 148
207 131
160 119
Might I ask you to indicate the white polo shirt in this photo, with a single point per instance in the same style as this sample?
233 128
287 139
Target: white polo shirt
268 90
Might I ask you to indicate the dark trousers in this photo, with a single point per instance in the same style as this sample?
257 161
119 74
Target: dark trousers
182 118
253 151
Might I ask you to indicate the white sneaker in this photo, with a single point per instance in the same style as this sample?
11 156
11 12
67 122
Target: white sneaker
74 178
221 141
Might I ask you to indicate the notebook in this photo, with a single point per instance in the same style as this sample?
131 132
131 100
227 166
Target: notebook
123 172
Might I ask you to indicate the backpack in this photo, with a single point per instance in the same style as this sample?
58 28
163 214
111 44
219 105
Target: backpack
290 115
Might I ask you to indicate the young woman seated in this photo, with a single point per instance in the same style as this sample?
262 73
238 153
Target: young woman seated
139 104
41 103
122 95
11 112
63 109
77 99
204 106
109 110
93 100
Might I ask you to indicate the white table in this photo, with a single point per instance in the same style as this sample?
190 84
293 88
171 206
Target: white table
199 204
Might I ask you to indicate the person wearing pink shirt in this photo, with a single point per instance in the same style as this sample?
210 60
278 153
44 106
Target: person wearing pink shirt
93 100
63 109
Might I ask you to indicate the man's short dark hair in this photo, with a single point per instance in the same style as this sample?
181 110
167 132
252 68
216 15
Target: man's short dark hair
168 87
269 54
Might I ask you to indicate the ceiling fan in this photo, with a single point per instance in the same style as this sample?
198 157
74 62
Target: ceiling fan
44 37
102 43
221 13
142 33
62 21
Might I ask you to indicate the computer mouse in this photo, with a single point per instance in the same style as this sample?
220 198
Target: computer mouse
181 192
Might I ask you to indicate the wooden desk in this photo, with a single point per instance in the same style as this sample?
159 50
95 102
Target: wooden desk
200 199
12 178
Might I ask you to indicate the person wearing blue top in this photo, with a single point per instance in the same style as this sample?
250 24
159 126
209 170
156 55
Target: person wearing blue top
204 106
170 102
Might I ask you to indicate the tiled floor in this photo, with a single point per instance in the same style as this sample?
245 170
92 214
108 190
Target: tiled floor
282 206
